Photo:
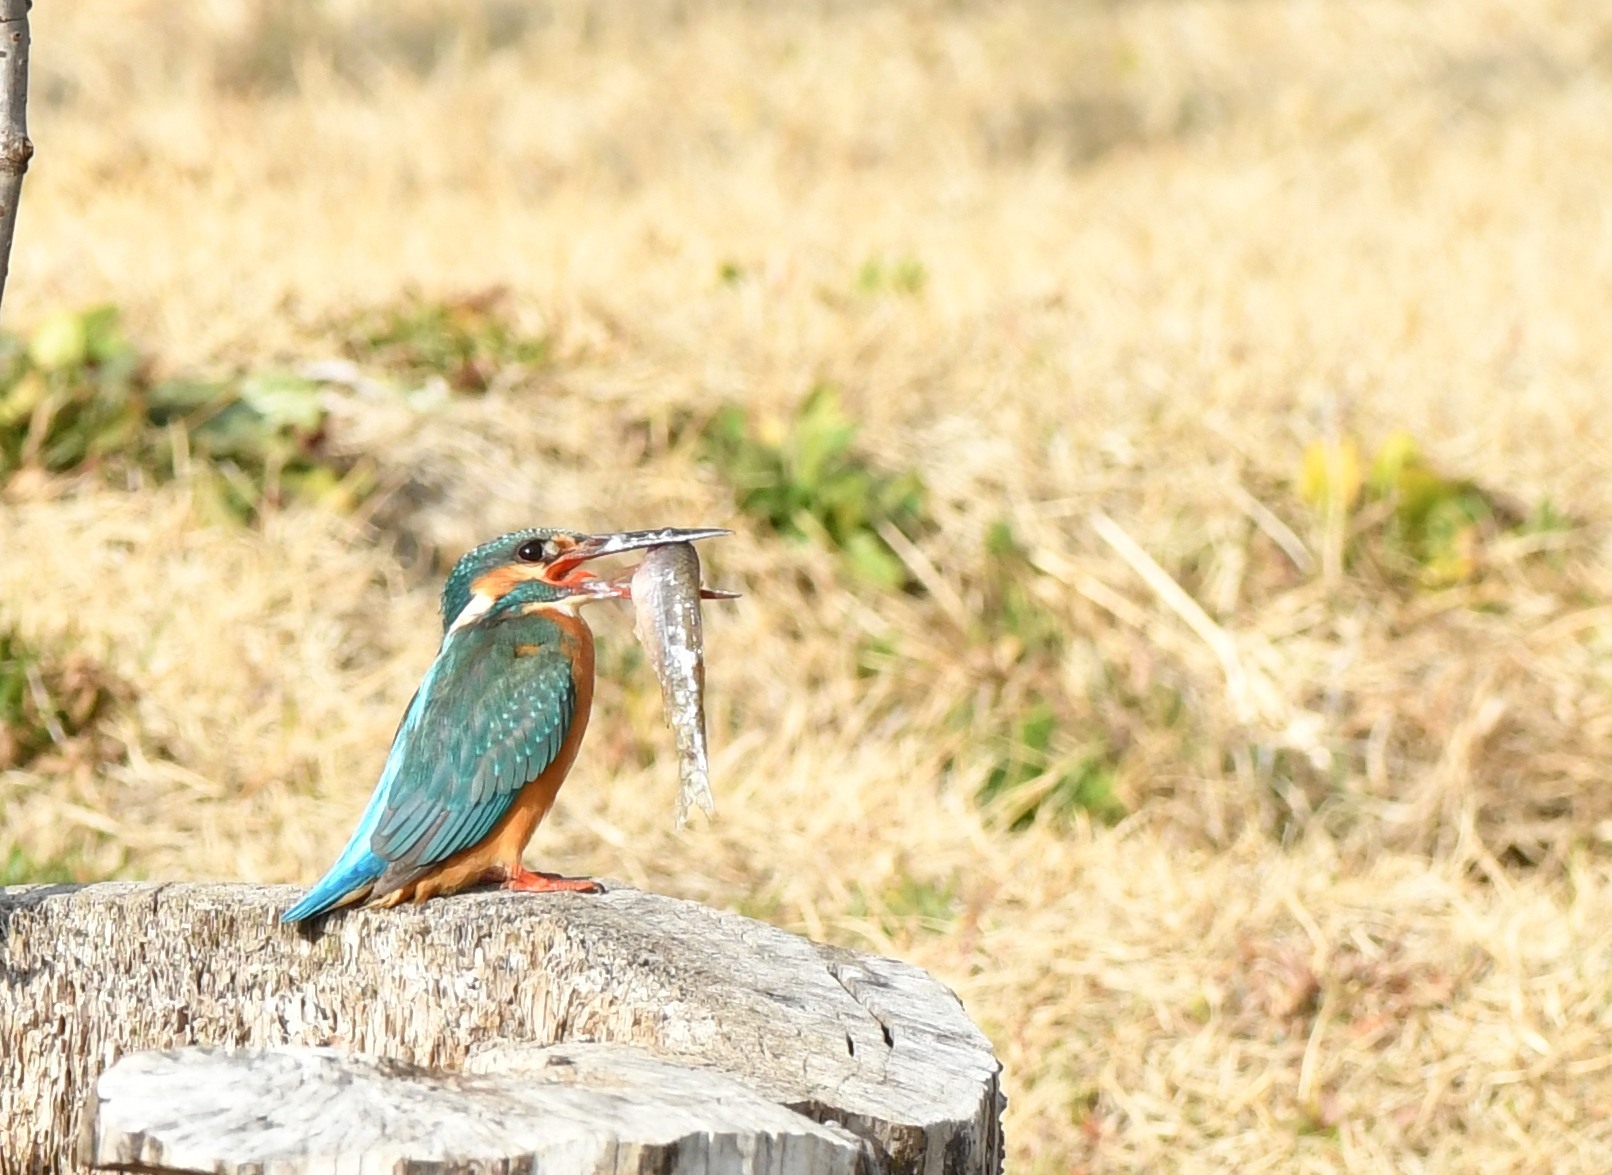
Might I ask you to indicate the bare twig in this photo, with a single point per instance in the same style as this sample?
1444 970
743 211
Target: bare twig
16 149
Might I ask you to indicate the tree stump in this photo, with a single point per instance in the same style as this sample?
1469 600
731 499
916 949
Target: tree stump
752 1049
601 1108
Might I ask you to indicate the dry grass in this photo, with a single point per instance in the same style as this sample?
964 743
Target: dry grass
1359 918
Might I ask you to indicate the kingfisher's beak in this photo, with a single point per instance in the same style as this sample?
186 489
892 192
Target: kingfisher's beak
594 546
620 588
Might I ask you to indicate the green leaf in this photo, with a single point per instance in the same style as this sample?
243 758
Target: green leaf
60 342
176 398
806 481
1395 455
1000 543
235 430
20 400
103 335
284 400
909 276
821 435
874 562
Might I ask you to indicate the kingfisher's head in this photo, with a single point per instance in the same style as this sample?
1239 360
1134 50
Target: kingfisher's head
541 569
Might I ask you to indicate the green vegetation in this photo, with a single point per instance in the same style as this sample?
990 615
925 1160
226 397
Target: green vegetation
1032 778
1010 609
78 398
1032 775
806 480
467 342
256 442
1415 524
46 701
765 903
908 905
65 396
903 275
18 868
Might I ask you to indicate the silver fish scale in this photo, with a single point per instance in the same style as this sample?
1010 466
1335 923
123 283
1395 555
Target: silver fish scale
666 603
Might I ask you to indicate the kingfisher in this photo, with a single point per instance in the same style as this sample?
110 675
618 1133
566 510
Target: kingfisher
492 730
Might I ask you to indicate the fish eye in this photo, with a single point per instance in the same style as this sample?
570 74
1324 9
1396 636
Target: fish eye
535 551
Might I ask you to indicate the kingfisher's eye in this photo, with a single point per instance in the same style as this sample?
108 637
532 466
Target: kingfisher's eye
534 551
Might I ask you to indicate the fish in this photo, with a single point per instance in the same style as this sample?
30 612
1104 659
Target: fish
666 593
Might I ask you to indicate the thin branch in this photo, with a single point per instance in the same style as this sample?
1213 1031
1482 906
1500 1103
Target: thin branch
15 147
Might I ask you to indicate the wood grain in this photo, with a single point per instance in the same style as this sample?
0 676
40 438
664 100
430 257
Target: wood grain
580 1109
89 974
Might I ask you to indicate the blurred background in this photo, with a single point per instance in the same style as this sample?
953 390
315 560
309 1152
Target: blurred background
1166 443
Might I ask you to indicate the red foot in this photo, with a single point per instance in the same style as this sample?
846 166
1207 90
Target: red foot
526 881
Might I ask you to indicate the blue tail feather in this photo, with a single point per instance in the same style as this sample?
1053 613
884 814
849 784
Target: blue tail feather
358 866
335 886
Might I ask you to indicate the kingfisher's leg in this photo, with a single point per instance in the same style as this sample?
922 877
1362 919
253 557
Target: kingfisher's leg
526 881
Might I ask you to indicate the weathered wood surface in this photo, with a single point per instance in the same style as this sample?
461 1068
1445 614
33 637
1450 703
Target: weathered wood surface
91 973
591 1109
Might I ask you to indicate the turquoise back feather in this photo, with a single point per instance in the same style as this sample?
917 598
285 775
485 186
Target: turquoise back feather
491 714
495 718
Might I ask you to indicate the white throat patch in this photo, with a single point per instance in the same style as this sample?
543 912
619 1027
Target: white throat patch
478 607
481 604
570 605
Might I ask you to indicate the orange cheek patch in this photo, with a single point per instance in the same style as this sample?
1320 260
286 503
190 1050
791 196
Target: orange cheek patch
500 581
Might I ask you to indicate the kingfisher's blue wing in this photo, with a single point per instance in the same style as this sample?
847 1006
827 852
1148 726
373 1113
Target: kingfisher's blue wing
492 716
492 713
